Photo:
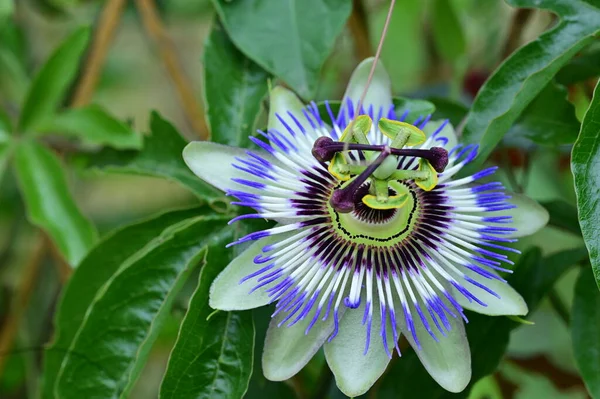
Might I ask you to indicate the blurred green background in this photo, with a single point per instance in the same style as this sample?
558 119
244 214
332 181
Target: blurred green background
137 76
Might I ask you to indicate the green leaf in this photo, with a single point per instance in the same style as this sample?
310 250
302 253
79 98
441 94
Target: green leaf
528 71
585 330
49 203
583 67
213 355
14 80
92 125
291 39
233 90
585 165
447 31
6 8
488 336
549 120
5 125
5 152
563 215
120 325
95 270
160 157
445 108
53 80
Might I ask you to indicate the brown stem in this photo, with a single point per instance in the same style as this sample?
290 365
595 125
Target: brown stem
359 29
64 269
104 33
21 299
155 29
517 26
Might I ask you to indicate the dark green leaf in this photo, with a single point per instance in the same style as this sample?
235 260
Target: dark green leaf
114 338
585 330
95 270
291 39
160 157
92 125
445 108
524 75
212 357
583 67
233 90
53 80
563 215
488 336
447 31
549 120
260 387
585 164
49 204
5 151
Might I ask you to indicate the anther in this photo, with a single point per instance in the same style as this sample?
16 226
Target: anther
325 148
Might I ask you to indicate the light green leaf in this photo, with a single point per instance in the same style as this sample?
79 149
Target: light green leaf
92 125
120 325
52 81
94 271
585 330
160 157
6 8
446 29
234 87
524 75
291 39
585 165
213 355
49 203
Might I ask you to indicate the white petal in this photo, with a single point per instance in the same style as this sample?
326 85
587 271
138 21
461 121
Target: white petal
510 303
282 101
445 138
288 349
447 361
213 163
226 292
355 372
527 218
379 94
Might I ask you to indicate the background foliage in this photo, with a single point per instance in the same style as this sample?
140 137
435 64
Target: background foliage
109 243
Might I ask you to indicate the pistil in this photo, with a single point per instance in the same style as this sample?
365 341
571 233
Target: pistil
343 199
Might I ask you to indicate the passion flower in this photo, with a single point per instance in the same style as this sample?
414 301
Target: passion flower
375 239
